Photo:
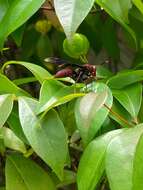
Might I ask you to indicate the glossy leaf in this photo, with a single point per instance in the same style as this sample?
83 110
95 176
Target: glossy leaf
90 111
24 80
53 94
48 89
122 116
102 72
46 135
69 178
6 104
9 87
92 163
138 166
71 13
22 10
130 98
138 4
67 115
3 8
120 158
14 124
24 174
125 78
40 73
11 140
118 9
136 14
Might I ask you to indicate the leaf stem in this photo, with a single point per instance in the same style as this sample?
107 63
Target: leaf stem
118 116
6 64
29 153
135 120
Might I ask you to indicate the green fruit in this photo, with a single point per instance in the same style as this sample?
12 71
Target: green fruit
77 46
43 26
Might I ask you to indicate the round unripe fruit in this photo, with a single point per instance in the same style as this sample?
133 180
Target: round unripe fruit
43 26
77 46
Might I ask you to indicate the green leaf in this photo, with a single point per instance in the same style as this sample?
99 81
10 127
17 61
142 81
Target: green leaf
90 111
141 113
130 98
71 13
22 11
138 166
8 86
120 158
6 104
25 80
11 140
3 8
69 178
118 10
120 113
138 4
14 124
109 38
136 23
67 115
40 73
53 94
92 163
2 188
29 42
17 35
103 72
44 47
48 89
2 145
46 135
125 78
24 174
136 14
108 125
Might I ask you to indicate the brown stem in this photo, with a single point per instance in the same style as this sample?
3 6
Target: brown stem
135 120
104 184
118 116
48 8
95 11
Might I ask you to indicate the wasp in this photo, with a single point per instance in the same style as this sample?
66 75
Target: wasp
79 73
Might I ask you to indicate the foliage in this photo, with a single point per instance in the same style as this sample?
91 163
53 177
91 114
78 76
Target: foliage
59 133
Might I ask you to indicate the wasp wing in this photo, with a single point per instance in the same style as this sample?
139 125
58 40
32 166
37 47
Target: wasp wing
61 62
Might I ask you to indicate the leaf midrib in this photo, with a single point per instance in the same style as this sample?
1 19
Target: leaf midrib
20 173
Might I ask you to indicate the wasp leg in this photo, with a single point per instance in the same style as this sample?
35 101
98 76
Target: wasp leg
77 79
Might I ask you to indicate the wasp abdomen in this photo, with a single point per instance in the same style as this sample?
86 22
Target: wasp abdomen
67 72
